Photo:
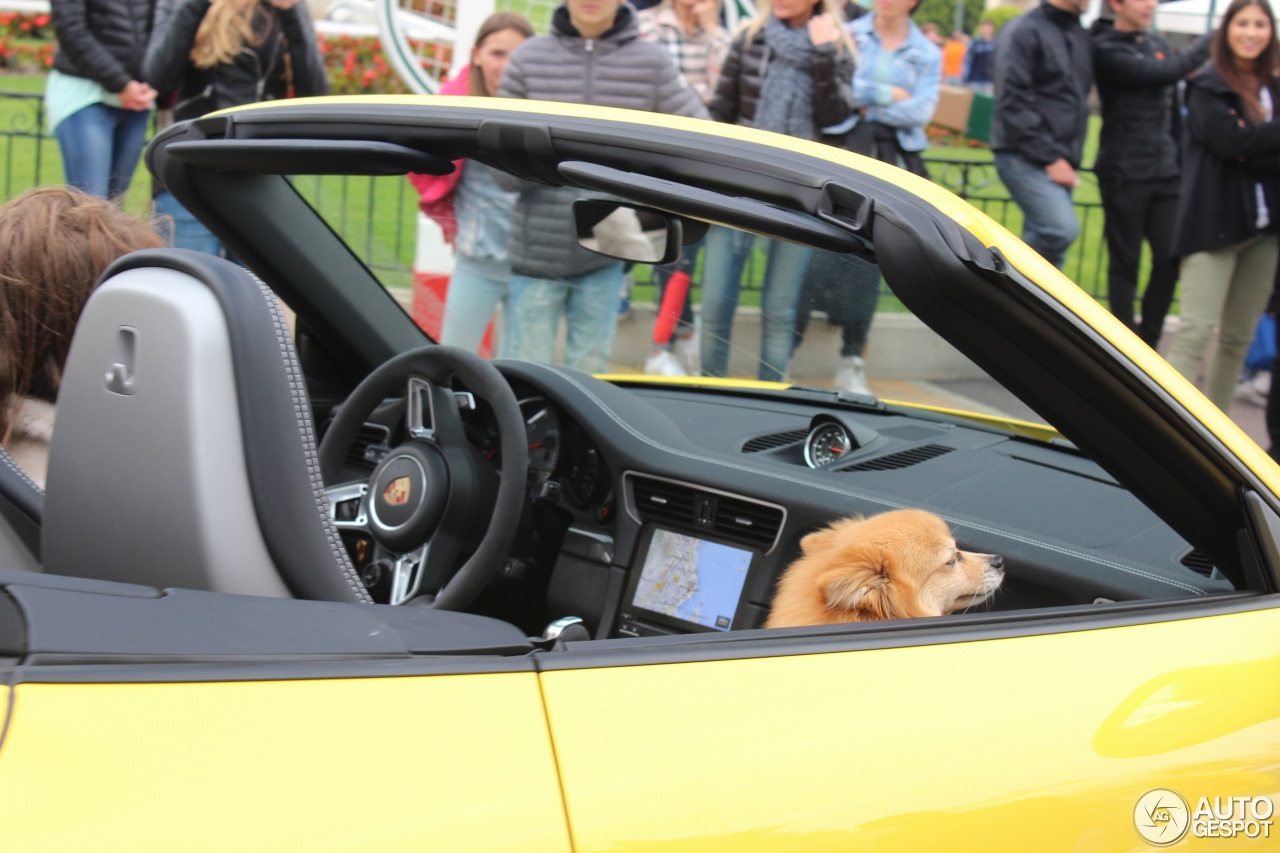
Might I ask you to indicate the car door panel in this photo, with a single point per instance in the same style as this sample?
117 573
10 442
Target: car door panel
1031 743
338 764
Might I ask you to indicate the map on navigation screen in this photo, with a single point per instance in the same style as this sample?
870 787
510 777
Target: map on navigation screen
692 579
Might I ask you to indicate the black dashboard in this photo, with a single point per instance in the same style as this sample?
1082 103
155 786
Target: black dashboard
669 509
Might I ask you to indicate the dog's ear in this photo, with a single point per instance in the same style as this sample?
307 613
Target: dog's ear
864 586
819 540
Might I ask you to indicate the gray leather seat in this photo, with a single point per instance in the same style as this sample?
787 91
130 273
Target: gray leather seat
21 509
184 453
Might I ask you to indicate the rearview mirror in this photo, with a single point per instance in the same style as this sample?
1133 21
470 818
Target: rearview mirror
627 232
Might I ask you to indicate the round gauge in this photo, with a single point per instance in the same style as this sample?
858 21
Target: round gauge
542 428
826 445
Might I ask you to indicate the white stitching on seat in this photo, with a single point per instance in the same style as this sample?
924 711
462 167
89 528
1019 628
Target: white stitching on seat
302 412
13 466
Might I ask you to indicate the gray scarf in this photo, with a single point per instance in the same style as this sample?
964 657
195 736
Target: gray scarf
786 98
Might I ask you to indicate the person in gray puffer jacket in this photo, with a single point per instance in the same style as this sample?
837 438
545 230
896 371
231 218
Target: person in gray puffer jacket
593 55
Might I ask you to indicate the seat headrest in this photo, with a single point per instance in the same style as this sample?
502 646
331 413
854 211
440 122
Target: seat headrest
183 453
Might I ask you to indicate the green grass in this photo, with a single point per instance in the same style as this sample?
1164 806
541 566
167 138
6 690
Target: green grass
376 217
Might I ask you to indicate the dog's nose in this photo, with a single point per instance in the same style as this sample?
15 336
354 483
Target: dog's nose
996 561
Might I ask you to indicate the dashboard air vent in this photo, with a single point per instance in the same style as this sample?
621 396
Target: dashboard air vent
901 459
746 521
687 508
1198 562
370 446
769 442
658 500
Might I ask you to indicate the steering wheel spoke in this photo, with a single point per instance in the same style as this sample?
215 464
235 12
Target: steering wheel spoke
349 507
406 574
420 418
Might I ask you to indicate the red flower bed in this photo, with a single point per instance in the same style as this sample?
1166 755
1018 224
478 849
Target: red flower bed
355 65
26 41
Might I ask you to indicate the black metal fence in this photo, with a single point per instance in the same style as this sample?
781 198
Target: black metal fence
25 149
30 158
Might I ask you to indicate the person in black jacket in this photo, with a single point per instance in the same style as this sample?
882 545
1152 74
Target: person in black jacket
97 101
1043 72
1137 165
223 54
1229 207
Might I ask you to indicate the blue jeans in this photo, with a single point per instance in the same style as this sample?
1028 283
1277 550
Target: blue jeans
1049 223
726 256
101 146
589 304
185 232
475 290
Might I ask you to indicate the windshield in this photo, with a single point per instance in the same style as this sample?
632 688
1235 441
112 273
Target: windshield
495 267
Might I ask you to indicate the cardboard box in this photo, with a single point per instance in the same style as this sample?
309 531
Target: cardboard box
954 105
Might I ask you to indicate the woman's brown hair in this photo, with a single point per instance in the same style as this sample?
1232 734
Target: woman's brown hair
54 244
226 27
495 23
1247 84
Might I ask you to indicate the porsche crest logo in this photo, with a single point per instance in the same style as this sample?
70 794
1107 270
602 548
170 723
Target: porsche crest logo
397 491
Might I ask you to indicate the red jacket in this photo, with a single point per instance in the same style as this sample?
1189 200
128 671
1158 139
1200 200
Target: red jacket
435 192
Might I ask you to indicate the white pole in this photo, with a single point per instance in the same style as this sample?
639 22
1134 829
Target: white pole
471 14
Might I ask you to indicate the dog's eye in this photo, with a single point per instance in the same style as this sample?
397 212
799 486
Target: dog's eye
955 559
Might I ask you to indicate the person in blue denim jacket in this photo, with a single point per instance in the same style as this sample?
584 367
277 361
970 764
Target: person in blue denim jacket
895 91
895 87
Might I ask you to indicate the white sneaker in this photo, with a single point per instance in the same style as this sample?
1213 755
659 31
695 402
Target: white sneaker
663 363
852 375
688 348
1255 388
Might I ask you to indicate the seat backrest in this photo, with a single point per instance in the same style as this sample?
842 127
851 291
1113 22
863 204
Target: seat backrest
183 453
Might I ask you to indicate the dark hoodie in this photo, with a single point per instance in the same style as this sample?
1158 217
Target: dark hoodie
1137 73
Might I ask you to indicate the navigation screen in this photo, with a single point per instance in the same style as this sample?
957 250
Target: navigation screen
688 578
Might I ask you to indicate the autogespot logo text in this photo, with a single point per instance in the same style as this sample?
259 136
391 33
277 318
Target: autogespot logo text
1162 817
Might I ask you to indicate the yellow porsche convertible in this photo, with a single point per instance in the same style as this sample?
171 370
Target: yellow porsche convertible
303 579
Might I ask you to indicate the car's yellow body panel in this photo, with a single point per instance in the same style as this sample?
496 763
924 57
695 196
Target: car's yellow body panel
1039 743
451 762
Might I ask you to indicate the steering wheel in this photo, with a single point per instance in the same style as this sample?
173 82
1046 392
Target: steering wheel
430 496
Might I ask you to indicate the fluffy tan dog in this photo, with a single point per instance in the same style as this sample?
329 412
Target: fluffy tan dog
895 565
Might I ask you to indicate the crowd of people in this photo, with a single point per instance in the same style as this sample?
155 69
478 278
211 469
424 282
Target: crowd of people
1186 162
1186 157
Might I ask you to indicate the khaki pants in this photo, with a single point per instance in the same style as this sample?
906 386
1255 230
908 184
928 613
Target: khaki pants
1226 288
